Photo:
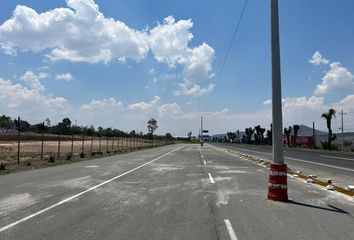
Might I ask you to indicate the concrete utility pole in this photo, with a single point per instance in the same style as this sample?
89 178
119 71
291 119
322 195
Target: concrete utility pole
201 131
341 113
276 87
277 189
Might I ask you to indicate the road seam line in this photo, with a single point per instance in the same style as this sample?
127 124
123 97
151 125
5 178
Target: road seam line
211 178
230 229
83 192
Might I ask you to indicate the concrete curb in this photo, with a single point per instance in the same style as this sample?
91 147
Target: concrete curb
324 185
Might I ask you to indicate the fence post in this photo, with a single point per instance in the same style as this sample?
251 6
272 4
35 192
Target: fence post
18 139
83 143
112 143
118 144
99 146
72 144
59 145
107 146
91 144
42 145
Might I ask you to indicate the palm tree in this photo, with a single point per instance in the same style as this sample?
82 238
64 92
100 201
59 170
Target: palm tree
249 132
296 131
262 131
328 116
287 132
269 134
257 134
229 135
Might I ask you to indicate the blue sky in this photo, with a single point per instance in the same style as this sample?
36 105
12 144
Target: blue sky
120 63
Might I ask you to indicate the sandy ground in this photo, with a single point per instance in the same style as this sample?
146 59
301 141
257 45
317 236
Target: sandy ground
31 150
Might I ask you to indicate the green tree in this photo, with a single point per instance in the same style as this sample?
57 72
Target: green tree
168 136
6 122
328 116
287 132
189 134
64 126
152 126
296 131
257 135
249 132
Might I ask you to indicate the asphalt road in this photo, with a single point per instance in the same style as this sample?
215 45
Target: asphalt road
171 192
335 165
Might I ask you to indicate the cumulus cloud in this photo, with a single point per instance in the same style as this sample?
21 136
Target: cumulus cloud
78 33
64 77
346 104
336 78
81 33
18 100
170 117
104 104
145 105
34 80
194 90
169 41
170 110
317 59
170 44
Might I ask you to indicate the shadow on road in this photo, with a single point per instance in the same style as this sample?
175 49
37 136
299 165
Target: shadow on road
331 207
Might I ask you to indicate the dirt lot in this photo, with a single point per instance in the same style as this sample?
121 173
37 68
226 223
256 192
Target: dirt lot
30 151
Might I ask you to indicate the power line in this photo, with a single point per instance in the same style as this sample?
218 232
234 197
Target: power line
227 52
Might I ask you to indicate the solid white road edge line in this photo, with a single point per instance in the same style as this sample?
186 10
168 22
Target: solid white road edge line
300 160
83 192
211 178
341 158
230 229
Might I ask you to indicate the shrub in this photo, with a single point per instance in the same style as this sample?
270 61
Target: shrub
51 159
99 152
28 163
82 155
2 165
93 153
115 151
108 152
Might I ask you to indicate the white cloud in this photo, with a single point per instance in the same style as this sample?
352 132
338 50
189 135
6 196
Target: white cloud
317 59
171 118
267 102
169 41
18 100
81 33
194 90
104 104
78 33
170 110
145 105
64 77
34 80
199 64
346 104
336 78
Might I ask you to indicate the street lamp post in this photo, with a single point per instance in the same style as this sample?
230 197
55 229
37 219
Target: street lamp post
277 189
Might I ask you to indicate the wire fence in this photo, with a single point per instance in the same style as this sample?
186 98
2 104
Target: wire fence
32 149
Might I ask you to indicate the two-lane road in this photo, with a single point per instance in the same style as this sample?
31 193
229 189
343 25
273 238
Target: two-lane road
171 192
